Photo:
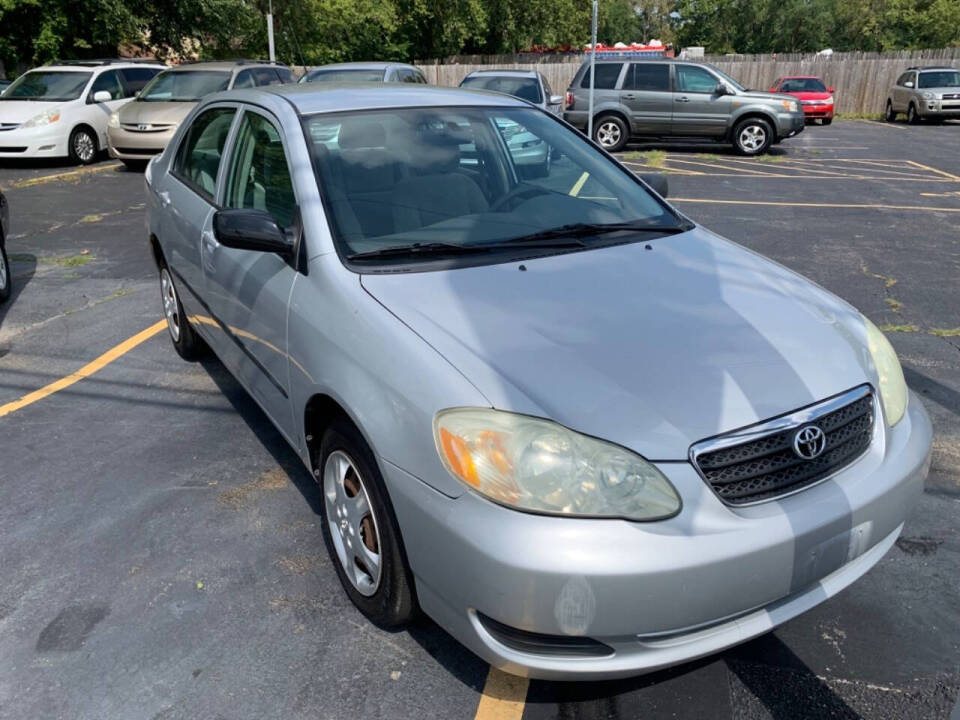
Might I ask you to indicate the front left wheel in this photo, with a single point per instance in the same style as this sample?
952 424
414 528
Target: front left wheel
360 529
752 136
83 146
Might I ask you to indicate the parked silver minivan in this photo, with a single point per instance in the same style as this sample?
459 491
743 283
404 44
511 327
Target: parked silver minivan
673 100
586 436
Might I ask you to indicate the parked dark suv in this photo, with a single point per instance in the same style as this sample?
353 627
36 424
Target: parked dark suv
676 99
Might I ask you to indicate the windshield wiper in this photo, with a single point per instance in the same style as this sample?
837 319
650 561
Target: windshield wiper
574 230
441 248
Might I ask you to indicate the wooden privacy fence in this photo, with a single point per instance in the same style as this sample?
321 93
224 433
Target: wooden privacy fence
861 80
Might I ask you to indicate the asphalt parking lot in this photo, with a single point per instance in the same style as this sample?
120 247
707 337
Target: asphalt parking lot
161 547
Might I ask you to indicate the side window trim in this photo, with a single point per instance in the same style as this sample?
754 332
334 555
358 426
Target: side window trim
228 148
187 182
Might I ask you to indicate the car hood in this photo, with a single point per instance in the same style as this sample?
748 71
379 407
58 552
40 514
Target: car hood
761 95
948 90
155 113
653 349
19 111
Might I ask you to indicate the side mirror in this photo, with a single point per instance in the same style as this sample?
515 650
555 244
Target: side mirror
908 83
102 96
721 89
556 99
657 181
251 230
830 90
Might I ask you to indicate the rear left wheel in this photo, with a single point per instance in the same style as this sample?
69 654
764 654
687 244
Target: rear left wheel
5 279
611 133
360 529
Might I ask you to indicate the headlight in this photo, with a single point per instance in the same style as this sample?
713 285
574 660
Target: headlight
45 118
532 464
114 120
893 388
929 95
829 100
790 105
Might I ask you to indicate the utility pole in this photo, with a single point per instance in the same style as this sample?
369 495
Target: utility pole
273 56
593 62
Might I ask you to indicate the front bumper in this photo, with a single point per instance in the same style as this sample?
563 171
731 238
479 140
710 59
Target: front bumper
790 124
949 109
818 111
128 145
659 593
44 141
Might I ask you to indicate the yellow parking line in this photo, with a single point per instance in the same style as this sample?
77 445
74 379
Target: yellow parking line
934 170
578 185
86 371
861 206
43 179
504 697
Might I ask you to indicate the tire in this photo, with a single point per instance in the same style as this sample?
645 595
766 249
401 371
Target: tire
826 121
186 342
752 136
912 117
135 165
5 275
611 133
83 146
889 114
360 529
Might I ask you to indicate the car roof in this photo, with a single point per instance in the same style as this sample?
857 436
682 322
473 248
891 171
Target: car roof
91 68
311 98
506 72
373 65
224 65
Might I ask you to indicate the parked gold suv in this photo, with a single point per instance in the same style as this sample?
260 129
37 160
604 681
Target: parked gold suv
142 128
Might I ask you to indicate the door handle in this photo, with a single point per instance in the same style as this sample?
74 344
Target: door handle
164 198
682 99
629 96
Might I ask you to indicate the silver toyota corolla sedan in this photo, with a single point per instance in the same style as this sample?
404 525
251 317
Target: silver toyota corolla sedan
586 436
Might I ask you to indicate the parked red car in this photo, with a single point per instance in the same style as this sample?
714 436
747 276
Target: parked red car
815 97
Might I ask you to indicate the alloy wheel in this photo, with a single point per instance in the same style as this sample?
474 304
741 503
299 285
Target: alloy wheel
3 273
170 306
84 147
608 134
752 138
352 524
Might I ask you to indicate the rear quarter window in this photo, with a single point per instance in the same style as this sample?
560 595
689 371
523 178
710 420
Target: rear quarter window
606 76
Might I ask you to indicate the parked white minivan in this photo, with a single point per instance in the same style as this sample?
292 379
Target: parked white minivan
62 110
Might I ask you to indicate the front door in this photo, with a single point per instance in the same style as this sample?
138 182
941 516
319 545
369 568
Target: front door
646 93
248 291
698 109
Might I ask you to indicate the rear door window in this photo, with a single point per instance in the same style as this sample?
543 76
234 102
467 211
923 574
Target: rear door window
198 157
605 74
244 80
648 76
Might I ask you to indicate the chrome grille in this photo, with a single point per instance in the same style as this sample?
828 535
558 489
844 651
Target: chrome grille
9 126
760 463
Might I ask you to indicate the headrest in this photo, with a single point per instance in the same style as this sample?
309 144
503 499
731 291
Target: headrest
355 134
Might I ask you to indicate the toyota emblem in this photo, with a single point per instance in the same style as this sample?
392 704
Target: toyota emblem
809 442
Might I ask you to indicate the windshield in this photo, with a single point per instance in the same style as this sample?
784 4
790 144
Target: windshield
344 75
458 179
184 85
524 88
47 86
939 78
802 85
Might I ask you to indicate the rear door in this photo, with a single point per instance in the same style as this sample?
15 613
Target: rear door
698 109
901 93
646 92
188 194
247 291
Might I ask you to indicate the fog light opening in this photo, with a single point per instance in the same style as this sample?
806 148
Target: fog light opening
540 644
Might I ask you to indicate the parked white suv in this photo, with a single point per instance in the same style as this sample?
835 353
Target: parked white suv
63 109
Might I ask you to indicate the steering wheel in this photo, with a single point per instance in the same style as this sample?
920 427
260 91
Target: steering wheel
520 191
